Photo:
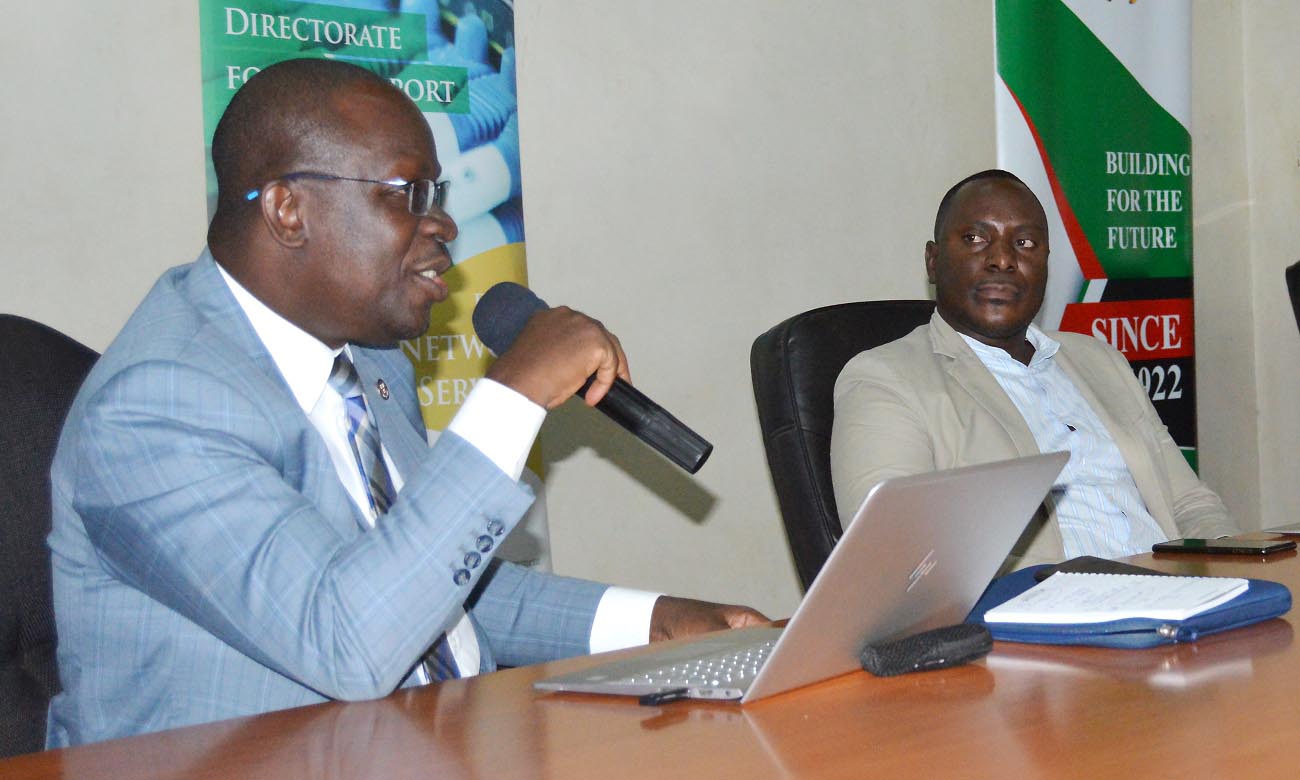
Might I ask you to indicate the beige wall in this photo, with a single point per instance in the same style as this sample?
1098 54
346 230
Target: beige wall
101 158
1225 343
695 173
1272 162
1246 144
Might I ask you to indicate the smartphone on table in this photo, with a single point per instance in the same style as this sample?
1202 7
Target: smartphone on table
1225 546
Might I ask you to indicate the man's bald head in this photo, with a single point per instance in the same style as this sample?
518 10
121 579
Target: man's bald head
945 204
282 118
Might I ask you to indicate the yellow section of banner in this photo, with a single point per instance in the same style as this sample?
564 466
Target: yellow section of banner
449 358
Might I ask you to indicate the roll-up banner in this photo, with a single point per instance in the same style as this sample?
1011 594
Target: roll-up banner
1093 103
457 62
459 68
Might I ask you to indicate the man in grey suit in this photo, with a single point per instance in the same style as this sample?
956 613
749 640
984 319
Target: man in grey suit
246 514
981 383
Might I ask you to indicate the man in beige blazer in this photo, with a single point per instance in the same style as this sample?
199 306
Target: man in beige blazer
930 401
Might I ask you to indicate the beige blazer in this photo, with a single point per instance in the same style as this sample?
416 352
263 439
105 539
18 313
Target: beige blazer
926 402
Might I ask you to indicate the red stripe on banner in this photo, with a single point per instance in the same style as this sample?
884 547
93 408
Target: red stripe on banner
1142 330
1087 258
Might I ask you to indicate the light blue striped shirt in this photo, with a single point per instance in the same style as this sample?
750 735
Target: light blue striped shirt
1095 500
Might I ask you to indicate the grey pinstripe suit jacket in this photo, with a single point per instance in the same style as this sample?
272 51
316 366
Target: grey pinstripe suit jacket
208 563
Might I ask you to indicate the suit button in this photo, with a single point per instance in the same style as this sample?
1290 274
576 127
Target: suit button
472 559
496 527
483 543
461 576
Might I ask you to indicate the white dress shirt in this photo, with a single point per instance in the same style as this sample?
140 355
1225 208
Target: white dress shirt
1096 501
499 422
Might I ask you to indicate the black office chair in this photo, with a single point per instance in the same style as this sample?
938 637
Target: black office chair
1293 289
40 371
794 367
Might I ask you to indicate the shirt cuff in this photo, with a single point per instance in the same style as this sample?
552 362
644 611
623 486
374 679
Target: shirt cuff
500 423
622 619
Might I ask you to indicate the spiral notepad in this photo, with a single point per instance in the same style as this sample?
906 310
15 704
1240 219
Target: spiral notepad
1096 598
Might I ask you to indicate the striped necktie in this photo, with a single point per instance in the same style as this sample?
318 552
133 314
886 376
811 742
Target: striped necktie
363 436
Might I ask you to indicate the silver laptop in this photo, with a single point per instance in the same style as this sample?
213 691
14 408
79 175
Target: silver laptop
917 556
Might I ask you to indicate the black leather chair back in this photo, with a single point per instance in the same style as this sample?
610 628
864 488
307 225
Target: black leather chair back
1293 289
40 371
794 367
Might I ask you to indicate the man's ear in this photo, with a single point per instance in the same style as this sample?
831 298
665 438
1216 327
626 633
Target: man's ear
931 255
283 215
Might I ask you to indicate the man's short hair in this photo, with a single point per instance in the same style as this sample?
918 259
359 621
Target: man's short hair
946 203
278 117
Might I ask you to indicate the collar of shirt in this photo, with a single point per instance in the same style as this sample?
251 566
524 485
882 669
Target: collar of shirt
1044 348
304 361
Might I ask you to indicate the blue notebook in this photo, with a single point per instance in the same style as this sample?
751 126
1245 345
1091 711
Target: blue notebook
1261 600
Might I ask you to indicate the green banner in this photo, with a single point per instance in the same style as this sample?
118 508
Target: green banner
1103 134
1098 128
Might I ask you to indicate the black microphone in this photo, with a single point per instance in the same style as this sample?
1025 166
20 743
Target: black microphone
499 318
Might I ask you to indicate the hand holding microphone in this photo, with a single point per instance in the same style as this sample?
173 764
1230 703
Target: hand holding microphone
558 353
549 354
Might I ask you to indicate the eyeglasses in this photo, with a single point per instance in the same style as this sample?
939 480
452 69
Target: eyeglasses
421 194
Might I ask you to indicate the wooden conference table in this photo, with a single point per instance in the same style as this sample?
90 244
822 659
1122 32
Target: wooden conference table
1227 706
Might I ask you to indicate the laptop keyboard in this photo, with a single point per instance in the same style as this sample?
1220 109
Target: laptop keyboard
733 669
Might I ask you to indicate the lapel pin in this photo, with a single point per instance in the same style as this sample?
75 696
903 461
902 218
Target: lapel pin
383 388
